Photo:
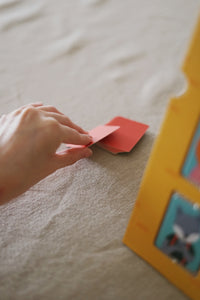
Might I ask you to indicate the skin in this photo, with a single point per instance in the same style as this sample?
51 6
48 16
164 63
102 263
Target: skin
29 139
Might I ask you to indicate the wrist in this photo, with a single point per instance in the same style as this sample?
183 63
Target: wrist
8 188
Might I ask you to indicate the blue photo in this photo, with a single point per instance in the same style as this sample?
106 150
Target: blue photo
179 235
191 167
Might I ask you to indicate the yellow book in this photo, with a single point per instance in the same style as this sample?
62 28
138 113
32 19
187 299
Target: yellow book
164 228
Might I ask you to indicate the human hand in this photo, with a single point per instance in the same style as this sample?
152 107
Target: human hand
29 139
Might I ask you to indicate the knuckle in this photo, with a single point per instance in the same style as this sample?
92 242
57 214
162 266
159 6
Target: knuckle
53 124
52 108
29 111
68 120
75 133
51 131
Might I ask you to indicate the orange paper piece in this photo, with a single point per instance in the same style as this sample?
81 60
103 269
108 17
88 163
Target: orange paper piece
97 134
124 139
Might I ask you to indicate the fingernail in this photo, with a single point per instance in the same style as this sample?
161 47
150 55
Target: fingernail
90 137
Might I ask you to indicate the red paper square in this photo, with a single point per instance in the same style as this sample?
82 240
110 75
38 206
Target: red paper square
126 137
97 134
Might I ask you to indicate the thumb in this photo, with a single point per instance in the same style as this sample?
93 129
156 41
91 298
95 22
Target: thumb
70 156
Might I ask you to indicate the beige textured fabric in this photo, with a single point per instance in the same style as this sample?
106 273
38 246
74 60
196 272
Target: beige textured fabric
93 60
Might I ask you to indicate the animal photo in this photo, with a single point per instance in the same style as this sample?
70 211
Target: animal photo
179 235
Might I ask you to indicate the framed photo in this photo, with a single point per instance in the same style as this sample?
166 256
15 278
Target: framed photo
191 167
179 234
164 228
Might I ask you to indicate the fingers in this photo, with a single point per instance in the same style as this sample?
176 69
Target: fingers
35 104
60 117
64 120
50 108
69 157
22 108
72 136
76 127
53 112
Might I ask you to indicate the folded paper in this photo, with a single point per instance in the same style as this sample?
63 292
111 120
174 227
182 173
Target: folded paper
118 135
97 134
126 137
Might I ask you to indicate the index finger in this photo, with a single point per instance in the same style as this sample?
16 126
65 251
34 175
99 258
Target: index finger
72 136
60 117
64 120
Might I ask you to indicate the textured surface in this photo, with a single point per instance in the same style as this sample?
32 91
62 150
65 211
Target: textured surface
93 60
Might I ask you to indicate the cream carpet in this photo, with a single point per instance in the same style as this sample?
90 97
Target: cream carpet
93 60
